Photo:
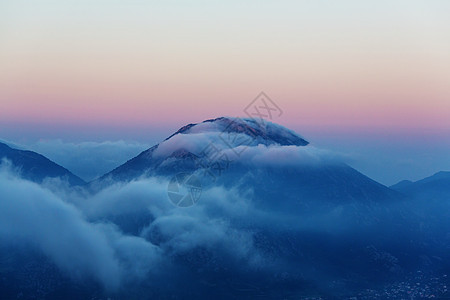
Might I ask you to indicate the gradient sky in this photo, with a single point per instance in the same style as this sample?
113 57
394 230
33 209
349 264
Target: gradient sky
367 71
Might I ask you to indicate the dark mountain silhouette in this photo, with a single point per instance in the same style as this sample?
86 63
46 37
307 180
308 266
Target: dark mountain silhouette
36 167
436 186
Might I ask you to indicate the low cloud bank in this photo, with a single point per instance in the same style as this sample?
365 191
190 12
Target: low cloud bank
36 216
130 234
86 235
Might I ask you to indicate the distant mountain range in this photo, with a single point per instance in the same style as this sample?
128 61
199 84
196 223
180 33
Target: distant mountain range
330 180
180 152
433 187
36 167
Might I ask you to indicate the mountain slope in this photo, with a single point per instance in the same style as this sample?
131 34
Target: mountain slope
36 167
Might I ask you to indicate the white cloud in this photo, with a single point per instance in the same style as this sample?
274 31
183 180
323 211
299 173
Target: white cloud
35 215
85 237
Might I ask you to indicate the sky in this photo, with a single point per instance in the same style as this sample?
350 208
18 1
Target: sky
366 78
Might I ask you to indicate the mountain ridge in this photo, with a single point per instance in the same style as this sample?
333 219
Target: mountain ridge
36 167
436 186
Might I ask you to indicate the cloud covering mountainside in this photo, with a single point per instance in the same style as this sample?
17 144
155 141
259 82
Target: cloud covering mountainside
282 219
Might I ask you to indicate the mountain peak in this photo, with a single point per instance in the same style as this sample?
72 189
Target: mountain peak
179 151
262 132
